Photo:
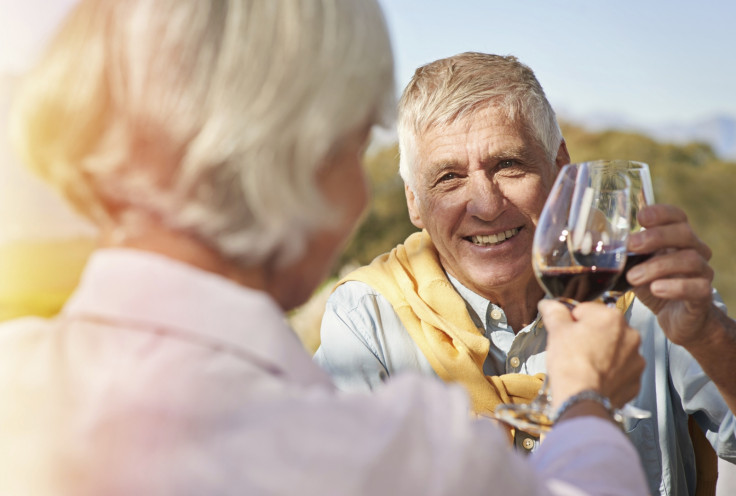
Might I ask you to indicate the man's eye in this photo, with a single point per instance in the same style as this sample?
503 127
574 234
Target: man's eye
505 164
448 177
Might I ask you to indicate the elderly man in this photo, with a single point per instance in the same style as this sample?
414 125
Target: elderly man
480 148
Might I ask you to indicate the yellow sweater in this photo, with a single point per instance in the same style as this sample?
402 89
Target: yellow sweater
411 279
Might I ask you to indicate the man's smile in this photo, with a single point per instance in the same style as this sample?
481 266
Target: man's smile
493 239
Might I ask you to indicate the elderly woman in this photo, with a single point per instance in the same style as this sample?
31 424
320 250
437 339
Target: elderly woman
217 145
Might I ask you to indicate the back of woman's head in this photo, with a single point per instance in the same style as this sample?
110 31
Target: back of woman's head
211 117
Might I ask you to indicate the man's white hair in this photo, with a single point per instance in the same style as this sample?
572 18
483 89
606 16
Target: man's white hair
211 116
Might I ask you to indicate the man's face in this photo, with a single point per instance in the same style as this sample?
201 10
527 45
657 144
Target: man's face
480 185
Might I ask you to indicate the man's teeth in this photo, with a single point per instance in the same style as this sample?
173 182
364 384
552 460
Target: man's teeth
494 238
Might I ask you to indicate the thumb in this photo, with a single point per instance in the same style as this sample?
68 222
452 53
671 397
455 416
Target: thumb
554 314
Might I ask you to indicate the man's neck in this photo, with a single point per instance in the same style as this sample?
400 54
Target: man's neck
520 309
519 304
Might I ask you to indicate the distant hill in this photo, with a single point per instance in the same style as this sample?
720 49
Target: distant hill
718 131
690 175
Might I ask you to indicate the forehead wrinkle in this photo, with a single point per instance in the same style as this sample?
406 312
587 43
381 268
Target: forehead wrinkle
436 155
503 140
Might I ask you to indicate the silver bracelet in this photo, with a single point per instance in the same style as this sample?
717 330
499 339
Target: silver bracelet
585 395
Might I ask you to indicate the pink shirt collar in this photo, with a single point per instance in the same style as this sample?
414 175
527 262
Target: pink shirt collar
145 289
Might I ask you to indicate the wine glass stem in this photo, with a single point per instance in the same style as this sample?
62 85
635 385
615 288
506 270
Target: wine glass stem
541 402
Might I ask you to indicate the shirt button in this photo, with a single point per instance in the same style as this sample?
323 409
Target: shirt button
496 314
528 443
514 362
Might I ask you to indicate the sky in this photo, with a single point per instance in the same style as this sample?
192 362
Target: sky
650 61
25 25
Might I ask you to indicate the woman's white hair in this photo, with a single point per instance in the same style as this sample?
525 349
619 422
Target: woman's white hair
453 88
211 116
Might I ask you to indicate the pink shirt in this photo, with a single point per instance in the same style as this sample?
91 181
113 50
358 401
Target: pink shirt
159 378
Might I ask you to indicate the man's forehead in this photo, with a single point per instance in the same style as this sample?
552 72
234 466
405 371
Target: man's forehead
466 116
477 135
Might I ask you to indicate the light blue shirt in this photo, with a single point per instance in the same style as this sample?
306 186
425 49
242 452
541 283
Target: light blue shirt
363 342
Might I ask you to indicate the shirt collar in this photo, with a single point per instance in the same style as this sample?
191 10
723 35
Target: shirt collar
483 307
140 288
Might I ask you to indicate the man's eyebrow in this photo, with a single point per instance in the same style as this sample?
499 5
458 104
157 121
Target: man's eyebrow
443 165
520 152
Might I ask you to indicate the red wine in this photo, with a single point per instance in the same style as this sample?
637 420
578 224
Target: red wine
622 285
578 283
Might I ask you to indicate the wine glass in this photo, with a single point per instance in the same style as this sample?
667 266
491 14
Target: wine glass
642 194
579 251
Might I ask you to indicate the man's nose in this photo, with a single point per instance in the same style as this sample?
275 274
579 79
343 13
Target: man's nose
486 198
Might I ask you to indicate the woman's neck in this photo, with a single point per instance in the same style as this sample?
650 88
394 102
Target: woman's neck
189 250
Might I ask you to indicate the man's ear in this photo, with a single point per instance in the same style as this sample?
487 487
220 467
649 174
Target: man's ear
563 157
411 203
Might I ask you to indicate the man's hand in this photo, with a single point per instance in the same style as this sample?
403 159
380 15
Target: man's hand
591 347
676 284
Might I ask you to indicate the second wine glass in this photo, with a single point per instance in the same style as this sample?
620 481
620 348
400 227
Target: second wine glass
642 195
579 251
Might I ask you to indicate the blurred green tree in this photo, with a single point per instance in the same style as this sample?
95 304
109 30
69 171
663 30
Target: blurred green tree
386 223
690 176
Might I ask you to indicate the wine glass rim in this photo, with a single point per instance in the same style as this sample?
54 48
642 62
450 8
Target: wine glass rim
629 164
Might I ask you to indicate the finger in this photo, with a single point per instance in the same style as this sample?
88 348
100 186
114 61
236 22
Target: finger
594 310
554 314
682 289
666 237
630 378
660 214
632 365
683 263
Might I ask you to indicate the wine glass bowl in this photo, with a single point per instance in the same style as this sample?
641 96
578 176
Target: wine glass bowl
642 195
579 246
